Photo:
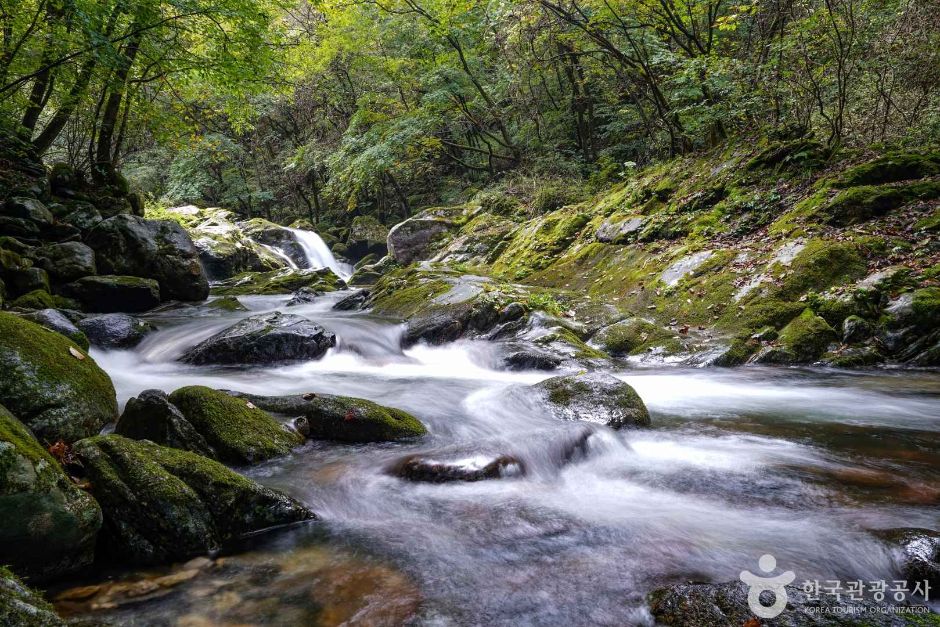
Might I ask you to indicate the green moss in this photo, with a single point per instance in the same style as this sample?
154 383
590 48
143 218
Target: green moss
403 293
537 244
574 344
226 303
891 168
798 153
278 282
237 432
21 606
740 350
823 264
348 419
635 336
806 337
55 393
926 307
858 204
37 299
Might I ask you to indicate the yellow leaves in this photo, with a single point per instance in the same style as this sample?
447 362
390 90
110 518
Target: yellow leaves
77 354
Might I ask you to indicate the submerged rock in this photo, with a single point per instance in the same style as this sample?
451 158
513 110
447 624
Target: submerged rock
697 604
154 249
237 430
108 294
22 606
151 416
594 397
49 524
342 418
162 504
54 388
115 330
264 339
426 469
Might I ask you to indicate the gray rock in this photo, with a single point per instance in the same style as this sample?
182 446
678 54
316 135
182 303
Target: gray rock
154 249
414 238
83 216
57 321
20 605
919 553
264 339
856 329
303 296
151 416
68 261
617 232
25 280
594 397
108 293
27 209
425 469
115 330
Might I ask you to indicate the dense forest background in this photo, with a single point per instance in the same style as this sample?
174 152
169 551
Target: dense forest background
334 109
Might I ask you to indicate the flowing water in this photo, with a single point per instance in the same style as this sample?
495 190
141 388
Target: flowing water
319 254
738 463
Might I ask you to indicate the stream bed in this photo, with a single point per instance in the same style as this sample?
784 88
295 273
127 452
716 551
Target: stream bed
800 463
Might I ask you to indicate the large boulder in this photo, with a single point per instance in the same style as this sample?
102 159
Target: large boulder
804 339
224 249
919 553
276 236
21 606
697 604
67 261
83 216
264 339
162 504
367 236
55 320
414 239
49 524
115 330
53 387
429 470
151 416
25 208
341 418
237 430
155 249
110 293
594 397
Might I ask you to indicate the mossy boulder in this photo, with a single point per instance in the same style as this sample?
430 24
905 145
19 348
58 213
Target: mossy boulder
633 336
416 238
891 168
152 249
55 320
49 524
285 281
342 418
858 204
67 261
594 397
50 384
151 416
162 504
21 606
37 299
238 431
111 293
264 339
367 236
803 340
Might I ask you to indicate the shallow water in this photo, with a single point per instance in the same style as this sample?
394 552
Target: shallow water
798 463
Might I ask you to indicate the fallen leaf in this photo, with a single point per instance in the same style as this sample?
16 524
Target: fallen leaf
77 354
250 405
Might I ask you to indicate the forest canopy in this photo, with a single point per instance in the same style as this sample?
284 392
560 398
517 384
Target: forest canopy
343 107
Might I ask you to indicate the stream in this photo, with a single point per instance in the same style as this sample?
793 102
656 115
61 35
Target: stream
800 463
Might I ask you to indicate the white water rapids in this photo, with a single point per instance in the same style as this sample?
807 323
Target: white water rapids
738 463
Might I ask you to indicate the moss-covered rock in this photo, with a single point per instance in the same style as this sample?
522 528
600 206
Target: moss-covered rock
891 168
417 238
803 340
20 606
633 336
284 281
594 397
341 418
37 299
858 204
51 386
151 416
55 320
162 504
366 236
49 524
110 293
238 431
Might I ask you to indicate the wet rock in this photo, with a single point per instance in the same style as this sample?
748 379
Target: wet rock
151 416
853 357
920 553
115 330
237 430
803 340
594 397
54 388
162 504
22 606
224 249
55 320
856 329
264 339
284 281
19 227
531 358
277 236
49 524
25 280
24 208
367 236
68 261
341 418
697 604
633 336
109 293
426 469
153 249
414 239
83 216
354 301
303 296
37 299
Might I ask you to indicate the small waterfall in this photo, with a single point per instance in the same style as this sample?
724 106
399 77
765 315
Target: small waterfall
319 254
280 254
